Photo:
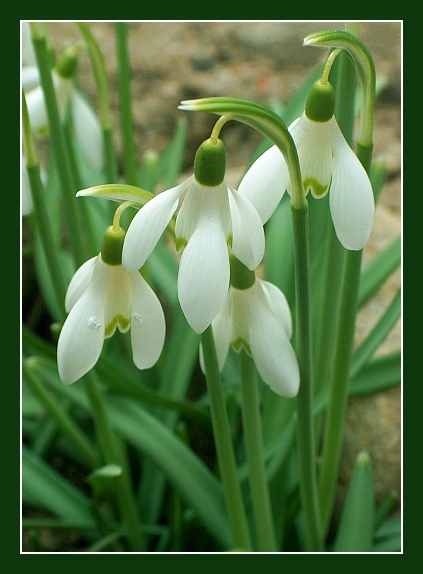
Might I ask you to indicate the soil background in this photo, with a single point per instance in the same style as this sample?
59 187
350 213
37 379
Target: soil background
266 62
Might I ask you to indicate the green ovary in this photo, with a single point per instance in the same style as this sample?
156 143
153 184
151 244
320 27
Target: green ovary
317 189
121 322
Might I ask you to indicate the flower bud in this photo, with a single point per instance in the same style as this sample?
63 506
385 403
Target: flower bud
66 66
112 245
320 103
210 163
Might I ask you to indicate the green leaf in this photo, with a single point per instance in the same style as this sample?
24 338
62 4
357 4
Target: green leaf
377 271
379 374
170 162
51 492
355 531
197 485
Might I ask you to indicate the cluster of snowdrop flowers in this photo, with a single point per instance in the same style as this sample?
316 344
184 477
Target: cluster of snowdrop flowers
101 297
328 164
87 127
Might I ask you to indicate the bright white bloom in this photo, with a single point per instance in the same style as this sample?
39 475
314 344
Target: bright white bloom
326 160
212 218
258 320
99 299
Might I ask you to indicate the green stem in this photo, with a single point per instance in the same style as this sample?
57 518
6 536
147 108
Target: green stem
223 443
56 134
128 141
304 349
64 421
254 452
111 450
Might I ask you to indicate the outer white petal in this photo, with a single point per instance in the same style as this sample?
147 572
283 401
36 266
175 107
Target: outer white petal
30 78
148 225
351 197
247 231
88 130
79 282
271 350
315 155
148 326
279 305
82 336
37 111
203 277
265 182
221 333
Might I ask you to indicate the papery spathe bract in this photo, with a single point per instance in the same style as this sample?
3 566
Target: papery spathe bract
100 299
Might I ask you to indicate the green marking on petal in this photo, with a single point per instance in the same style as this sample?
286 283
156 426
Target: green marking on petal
121 322
180 243
240 344
317 189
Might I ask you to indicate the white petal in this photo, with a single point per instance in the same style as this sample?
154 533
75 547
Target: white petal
148 225
37 111
117 308
265 182
271 350
148 326
82 336
315 155
278 305
203 277
247 231
30 78
351 197
79 283
88 130
221 334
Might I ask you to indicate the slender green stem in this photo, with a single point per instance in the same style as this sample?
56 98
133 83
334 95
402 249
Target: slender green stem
253 441
63 420
111 450
224 448
128 141
105 116
304 349
56 134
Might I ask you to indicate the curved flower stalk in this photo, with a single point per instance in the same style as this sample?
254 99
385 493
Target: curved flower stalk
87 127
256 318
327 162
101 297
213 218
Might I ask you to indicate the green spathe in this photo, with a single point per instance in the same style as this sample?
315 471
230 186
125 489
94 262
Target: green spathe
112 245
210 163
320 103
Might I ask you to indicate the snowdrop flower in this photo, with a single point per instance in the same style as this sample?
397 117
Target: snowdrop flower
101 297
256 318
326 160
87 127
213 218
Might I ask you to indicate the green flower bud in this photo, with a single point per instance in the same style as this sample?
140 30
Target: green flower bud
210 163
241 277
112 245
66 66
320 103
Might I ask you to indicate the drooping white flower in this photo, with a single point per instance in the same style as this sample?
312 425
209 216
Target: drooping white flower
257 319
100 298
87 127
326 161
213 216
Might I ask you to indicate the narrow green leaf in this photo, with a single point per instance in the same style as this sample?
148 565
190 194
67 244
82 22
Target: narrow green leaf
170 162
355 531
52 492
377 271
379 374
